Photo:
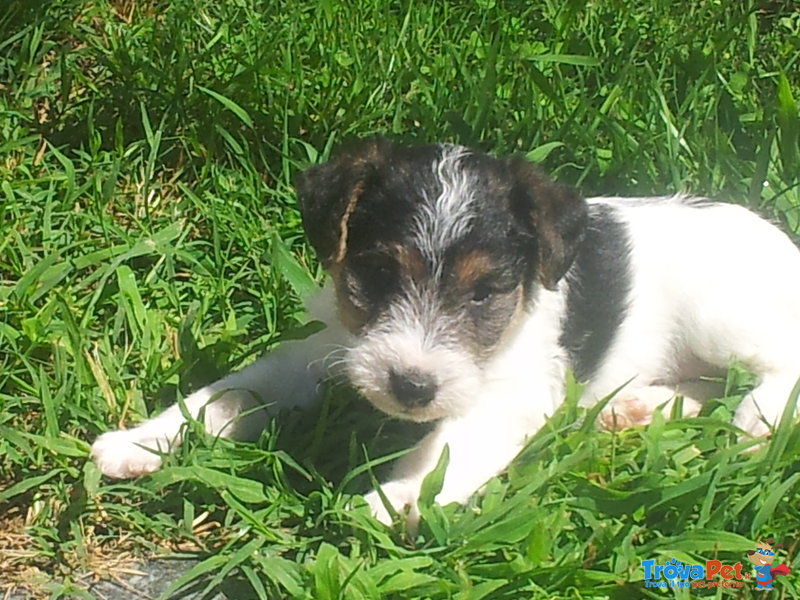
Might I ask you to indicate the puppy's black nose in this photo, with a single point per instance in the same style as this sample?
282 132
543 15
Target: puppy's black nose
412 388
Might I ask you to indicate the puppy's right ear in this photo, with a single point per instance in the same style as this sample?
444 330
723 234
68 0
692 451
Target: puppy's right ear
329 193
555 213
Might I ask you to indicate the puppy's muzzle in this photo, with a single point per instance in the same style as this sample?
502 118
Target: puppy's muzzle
412 388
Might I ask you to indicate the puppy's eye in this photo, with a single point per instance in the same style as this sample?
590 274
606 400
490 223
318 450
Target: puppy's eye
481 294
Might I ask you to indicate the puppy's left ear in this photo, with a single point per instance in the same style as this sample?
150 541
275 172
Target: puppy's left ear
554 213
329 193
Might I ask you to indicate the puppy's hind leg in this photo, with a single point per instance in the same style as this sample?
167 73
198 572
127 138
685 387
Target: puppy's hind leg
636 406
236 406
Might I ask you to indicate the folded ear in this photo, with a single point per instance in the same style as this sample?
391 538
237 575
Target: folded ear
328 194
555 214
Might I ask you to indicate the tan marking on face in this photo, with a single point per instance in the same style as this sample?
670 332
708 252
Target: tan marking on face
412 265
470 267
352 317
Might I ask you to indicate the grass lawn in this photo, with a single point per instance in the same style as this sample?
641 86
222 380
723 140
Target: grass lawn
150 242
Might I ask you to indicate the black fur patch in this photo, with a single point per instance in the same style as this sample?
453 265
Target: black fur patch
598 293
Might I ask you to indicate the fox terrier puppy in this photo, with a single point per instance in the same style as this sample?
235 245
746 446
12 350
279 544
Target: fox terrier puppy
465 286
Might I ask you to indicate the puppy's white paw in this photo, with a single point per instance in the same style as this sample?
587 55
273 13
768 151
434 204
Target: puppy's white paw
127 454
402 495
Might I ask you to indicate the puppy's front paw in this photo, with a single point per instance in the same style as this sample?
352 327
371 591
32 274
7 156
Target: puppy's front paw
127 454
402 496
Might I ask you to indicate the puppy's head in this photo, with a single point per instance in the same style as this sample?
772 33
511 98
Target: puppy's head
435 251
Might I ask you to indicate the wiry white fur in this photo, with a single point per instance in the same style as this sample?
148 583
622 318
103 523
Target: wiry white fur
414 334
447 217
710 285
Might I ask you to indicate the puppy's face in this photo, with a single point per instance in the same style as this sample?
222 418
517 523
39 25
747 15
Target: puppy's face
435 251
